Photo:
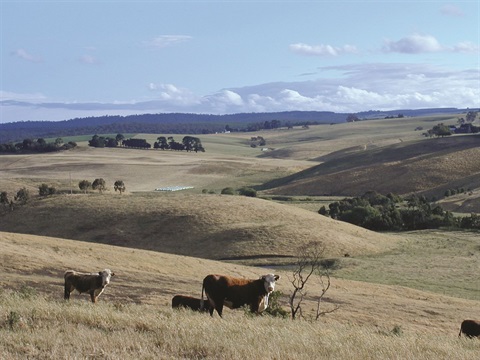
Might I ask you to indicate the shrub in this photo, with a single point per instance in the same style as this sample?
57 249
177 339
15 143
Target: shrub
274 308
323 211
228 191
248 192
23 195
45 190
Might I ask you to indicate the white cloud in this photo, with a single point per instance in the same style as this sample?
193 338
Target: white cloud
413 44
170 96
163 41
466 47
346 88
23 54
321 50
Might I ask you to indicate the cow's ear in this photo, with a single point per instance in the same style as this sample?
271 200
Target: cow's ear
277 277
100 273
262 277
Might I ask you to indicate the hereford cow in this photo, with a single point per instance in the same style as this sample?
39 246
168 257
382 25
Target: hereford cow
92 283
189 302
234 293
470 328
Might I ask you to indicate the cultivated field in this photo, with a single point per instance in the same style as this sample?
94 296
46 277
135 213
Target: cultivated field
400 296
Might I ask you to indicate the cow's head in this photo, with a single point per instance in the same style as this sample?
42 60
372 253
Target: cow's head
269 282
106 275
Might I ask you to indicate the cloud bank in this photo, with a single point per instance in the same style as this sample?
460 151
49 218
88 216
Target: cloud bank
354 88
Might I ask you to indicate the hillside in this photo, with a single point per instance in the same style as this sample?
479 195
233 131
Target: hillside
145 277
426 166
206 226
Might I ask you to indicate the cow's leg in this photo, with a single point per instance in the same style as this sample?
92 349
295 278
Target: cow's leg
68 290
211 302
92 296
215 304
219 306
219 309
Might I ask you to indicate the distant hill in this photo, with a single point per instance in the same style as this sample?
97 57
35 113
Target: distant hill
423 167
182 123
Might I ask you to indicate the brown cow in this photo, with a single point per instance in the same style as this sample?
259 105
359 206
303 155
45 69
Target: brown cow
233 292
190 303
470 328
92 283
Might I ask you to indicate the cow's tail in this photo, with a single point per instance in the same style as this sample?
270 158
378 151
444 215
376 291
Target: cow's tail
202 302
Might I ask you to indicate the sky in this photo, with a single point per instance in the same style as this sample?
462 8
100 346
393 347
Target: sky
65 59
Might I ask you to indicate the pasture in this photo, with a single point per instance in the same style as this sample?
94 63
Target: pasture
400 295
133 317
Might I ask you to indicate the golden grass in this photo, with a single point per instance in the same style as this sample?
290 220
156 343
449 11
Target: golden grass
41 328
133 318
201 225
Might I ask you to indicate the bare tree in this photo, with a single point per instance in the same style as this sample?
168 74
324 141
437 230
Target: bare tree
309 263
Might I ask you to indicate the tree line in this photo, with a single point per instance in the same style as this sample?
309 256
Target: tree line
378 212
188 143
36 146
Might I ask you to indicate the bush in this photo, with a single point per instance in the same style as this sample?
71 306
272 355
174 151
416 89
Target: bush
228 191
248 192
323 211
45 190
274 308
23 195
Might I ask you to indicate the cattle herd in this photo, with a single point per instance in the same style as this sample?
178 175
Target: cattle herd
220 291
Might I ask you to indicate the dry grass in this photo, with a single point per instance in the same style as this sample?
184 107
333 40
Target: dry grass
133 318
381 316
46 329
430 166
201 225
438 261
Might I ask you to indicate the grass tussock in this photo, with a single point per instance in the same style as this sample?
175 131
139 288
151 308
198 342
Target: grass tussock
37 327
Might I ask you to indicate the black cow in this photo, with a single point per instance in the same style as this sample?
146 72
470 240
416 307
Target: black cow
470 328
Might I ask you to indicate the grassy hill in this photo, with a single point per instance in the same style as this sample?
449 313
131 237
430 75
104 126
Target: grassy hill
205 225
425 166
400 295
133 317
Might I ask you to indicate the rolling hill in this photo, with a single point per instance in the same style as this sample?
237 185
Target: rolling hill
424 167
399 295
220 227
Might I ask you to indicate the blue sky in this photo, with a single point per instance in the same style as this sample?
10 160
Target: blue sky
66 59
